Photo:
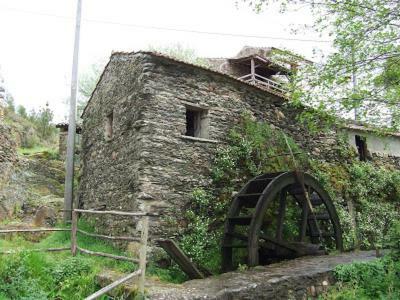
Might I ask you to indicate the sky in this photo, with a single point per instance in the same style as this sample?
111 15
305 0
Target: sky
36 37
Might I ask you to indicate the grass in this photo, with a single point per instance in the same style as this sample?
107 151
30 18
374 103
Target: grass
47 275
50 151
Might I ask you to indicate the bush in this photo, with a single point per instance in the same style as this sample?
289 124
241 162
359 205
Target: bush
377 279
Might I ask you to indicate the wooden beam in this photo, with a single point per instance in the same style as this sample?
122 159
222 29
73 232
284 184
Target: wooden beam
252 70
108 237
114 212
143 253
180 258
113 285
34 230
37 250
117 257
281 215
74 229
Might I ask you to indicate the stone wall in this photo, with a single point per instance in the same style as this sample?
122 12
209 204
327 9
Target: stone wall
149 163
110 165
176 164
301 278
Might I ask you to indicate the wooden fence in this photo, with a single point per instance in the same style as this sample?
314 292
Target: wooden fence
143 239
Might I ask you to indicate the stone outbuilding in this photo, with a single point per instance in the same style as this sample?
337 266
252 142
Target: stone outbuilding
153 124
62 139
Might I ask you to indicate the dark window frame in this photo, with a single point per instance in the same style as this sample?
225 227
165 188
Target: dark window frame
197 123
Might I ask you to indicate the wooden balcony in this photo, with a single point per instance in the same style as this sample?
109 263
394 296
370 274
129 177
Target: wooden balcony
272 86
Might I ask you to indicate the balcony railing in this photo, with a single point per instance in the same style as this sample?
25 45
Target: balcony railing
268 84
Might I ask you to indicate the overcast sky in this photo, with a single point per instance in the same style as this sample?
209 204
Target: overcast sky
36 37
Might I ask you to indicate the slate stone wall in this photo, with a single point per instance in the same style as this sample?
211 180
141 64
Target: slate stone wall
149 164
111 166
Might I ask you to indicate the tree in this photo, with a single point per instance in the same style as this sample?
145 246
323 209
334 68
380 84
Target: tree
366 38
43 121
21 111
87 83
10 103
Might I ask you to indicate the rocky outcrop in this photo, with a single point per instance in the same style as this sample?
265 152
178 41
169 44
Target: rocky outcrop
34 187
8 156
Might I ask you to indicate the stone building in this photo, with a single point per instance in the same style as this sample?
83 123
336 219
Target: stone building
62 139
153 124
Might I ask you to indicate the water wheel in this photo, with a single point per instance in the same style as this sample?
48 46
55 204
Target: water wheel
278 216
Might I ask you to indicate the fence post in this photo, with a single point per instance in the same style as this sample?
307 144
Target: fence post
74 229
143 253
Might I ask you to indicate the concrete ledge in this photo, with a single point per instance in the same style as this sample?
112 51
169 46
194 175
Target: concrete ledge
301 278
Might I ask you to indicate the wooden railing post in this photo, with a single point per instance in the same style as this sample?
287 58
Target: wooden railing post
143 253
74 229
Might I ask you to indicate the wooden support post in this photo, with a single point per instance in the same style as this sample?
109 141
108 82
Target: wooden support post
253 70
281 215
304 221
143 253
74 229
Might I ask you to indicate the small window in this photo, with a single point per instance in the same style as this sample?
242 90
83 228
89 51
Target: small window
109 127
196 122
361 144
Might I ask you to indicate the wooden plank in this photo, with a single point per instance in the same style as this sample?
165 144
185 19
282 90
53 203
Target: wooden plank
74 229
117 213
37 250
113 285
143 253
281 214
120 238
33 230
304 219
253 70
180 258
89 252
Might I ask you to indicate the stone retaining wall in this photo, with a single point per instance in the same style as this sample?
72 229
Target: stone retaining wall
301 278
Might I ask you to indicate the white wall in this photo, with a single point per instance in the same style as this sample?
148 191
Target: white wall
380 145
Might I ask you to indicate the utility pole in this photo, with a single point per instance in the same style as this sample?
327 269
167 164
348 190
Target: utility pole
69 166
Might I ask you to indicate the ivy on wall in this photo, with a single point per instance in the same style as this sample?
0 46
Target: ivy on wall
255 148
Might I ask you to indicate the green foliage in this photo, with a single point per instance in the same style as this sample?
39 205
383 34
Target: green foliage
254 148
33 129
373 191
87 83
377 279
199 241
393 241
366 39
21 111
31 275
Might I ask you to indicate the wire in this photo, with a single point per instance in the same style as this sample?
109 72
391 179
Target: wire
149 27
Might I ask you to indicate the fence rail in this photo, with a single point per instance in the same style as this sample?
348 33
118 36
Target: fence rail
113 285
74 248
141 272
267 83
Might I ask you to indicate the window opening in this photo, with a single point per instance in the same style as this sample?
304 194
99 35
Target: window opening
196 122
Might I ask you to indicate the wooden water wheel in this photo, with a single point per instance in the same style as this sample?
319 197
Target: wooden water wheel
279 216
